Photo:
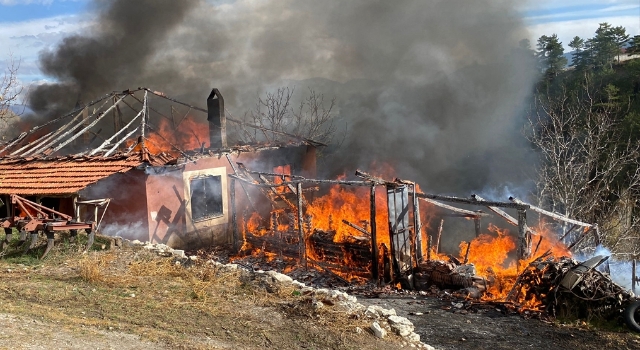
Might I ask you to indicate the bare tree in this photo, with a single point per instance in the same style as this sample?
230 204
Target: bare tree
10 90
312 118
589 170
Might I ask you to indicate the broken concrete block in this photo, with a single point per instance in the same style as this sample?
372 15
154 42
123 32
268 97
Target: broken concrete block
375 311
178 253
377 330
413 337
400 325
279 277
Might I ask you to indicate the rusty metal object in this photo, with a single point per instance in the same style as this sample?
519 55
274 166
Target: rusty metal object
35 218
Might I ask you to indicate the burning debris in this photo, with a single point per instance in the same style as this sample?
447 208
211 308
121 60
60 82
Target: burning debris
567 288
401 255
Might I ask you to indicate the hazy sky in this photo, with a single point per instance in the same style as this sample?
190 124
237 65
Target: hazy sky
28 26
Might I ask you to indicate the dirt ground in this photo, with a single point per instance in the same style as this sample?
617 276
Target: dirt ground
443 326
132 299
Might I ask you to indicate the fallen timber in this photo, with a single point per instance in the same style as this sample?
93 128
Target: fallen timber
353 256
567 288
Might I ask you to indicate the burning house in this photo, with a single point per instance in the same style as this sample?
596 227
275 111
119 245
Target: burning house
136 164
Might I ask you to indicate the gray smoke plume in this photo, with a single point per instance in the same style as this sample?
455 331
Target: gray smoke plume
435 88
115 53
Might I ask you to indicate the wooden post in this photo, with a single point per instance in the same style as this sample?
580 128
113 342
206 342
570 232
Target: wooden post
76 207
428 247
416 225
524 249
476 221
234 218
437 247
466 255
302 244
374 238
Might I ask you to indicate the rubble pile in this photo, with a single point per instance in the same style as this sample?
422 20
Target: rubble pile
383 320
449 275
567 288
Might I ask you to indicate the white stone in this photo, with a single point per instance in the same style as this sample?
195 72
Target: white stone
428 347
414 337
359 330
298 284
322 291
136 242
192 257
178 253
400 325
164 247
318 305
375 311
377 330
282 278
231 266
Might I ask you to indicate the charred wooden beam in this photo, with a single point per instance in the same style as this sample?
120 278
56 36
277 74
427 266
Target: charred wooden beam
466 254
246 192
374 238
582 236
280 195
303 246
472 201
417 225
510 219
89 126
464 212
568 232
524 250
115 135
371 178
356 227
552 215
234 219
437 247
308 181
274 174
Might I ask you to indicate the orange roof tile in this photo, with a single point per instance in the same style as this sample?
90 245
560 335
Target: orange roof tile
60 175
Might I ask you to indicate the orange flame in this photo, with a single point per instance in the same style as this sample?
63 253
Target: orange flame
189 134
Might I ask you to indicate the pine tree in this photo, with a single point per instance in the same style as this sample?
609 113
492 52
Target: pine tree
550 53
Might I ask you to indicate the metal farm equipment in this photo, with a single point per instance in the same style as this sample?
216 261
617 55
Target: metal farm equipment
32 218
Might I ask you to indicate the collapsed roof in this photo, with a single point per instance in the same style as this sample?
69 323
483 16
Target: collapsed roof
116 133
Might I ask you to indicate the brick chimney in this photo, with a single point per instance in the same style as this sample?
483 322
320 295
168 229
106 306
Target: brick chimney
217 120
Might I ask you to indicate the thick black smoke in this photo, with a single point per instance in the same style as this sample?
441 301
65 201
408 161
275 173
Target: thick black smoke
435 87
115 53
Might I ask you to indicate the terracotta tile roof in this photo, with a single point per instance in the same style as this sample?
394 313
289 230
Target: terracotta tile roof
60 175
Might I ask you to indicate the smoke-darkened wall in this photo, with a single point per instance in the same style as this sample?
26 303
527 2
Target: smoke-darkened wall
435 87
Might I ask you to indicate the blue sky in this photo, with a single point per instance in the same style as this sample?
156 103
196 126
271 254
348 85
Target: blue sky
28 26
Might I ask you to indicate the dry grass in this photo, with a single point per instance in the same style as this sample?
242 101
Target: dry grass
184 307
92 267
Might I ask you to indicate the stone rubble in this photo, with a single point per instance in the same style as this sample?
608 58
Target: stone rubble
384 320
377 330
161 249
